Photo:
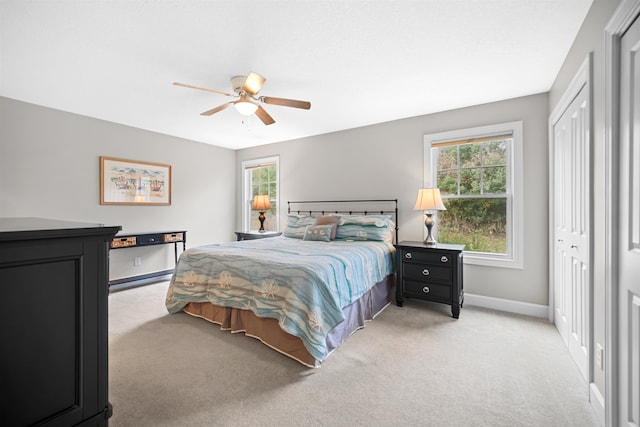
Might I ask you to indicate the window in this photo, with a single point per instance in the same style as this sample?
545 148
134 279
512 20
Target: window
260 177
479 173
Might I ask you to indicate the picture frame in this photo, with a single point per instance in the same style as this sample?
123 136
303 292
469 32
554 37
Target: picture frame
134 182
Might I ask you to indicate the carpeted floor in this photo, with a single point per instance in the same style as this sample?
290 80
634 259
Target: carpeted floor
411 366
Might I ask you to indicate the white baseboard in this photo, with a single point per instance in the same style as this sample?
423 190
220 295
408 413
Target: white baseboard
597 402
510 306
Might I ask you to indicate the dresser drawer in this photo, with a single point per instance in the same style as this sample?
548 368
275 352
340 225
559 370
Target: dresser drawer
426 257
427 290
426 272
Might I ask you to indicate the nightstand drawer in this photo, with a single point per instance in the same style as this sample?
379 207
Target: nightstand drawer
427 272
427 290
426 257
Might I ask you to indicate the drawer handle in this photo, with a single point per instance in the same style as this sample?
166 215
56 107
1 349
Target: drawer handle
444 259
425 272
425 289
408 255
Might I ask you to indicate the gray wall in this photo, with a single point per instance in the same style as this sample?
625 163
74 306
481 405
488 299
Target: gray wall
591 39
386 161
49 167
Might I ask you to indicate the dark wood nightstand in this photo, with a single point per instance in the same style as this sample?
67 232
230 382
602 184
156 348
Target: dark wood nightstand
252 235
432 273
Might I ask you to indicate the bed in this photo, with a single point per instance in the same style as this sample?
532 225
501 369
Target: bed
303 293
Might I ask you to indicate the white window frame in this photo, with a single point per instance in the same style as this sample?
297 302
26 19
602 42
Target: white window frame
247 198
514 258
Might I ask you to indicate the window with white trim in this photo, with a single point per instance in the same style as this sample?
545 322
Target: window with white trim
260 176
479 174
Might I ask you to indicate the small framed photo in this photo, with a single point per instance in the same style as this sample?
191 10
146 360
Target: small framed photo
132 182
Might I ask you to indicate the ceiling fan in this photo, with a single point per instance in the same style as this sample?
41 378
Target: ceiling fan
246 89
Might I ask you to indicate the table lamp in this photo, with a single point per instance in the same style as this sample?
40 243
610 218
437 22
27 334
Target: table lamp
429 200
261 204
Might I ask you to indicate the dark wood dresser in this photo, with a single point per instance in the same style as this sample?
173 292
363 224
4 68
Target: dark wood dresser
432 273
53 323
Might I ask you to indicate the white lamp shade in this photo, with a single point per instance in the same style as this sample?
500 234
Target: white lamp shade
429 200
245 106
261 202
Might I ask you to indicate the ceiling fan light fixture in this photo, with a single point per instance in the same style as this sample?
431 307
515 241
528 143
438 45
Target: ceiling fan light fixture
245 107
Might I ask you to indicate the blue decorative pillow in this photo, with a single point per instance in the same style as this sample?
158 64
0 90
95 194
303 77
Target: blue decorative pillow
318 233
295 220
372 220
366 227
297 225
363 232
295 232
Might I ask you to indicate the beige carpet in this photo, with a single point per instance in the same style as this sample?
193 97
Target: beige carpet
411 366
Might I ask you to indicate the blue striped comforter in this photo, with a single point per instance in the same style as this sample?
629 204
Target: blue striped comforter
302 284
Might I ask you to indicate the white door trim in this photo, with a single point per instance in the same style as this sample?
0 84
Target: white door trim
619 23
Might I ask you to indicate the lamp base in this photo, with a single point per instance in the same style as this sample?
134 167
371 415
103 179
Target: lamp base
428 222
261 218
431 242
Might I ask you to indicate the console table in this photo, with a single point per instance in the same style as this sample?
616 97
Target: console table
136 240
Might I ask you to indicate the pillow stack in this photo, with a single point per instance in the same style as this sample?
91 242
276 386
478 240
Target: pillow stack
346 227
331 220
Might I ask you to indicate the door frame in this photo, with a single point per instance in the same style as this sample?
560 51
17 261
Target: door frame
619 23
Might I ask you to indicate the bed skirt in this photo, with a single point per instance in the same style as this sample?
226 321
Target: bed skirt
268 330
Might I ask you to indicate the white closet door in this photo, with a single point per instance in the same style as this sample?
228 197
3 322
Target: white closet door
571 225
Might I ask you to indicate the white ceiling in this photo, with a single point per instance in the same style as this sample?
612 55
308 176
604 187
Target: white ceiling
357 62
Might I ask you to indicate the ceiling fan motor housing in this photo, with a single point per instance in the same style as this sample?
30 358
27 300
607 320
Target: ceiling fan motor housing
237 82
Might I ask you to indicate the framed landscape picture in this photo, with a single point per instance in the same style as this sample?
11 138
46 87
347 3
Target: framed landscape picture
132 182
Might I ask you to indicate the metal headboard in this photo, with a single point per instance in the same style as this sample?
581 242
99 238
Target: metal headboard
377 207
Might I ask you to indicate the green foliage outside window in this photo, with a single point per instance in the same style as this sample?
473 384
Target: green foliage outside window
478 223
472 178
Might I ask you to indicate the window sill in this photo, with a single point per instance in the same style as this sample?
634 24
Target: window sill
475 258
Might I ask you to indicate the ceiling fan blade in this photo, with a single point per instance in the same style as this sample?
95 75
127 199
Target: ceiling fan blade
264 116
203 88
217 109
286 102
253 83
